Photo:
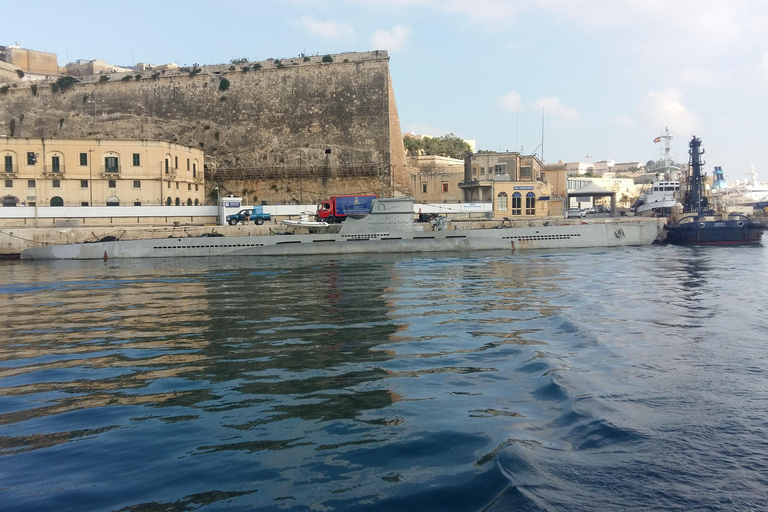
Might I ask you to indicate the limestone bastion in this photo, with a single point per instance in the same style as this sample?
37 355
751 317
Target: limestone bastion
276 130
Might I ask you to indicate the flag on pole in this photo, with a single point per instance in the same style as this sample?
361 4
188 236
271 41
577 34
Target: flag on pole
657 139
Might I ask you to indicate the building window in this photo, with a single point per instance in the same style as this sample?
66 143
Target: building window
525 173
177 185
166 166
110 164
482 170
445 187
136 183
189 186
502 202
83 159
8 183
168 202
178 202
84 203
83 183
31 158
194 169
113 201
187 163
423 188
169 184
197 202
112 184
8 163
195 188
57 201
175 162
517 204
137 203
136 160
30 183
55 164
530 203
189 202
500 169
56 183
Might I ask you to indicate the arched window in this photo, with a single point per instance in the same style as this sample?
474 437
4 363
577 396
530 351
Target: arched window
189 202
10 201
178 202
517 204
168 201
197 202
113 201
530 203
502 202
57 201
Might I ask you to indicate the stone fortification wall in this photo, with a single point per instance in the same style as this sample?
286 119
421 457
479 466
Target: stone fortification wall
292 127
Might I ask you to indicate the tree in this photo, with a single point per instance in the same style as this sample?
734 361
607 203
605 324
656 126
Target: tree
448 145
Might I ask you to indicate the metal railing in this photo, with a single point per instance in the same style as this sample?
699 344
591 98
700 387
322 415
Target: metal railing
54 169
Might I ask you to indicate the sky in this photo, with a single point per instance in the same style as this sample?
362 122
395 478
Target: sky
570 80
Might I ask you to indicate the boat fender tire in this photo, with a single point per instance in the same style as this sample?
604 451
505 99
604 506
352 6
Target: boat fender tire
740 223
259 221
619 233
701 224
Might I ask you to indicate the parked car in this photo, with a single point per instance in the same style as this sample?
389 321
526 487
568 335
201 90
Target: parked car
256 215
574 212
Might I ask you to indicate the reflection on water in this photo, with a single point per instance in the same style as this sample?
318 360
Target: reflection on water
497 381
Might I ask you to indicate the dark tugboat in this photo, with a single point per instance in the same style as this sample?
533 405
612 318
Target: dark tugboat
699 224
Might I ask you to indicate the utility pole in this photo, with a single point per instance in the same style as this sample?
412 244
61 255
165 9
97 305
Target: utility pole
301 189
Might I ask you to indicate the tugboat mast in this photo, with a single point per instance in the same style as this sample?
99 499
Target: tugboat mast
696 198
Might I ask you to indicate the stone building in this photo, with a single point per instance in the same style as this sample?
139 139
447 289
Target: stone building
435 179
35 64
511 181
95 172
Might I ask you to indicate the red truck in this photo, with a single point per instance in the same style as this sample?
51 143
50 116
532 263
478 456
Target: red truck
337 208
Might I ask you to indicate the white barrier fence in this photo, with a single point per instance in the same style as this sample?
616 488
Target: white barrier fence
106 212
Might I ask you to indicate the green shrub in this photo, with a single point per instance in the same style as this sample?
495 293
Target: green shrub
256 67
327 58
63 84
33 88
20 73
127 78
103 78
224 84
4 89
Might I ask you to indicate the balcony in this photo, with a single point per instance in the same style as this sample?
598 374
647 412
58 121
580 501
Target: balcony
10 170
53 170
111 171
171 173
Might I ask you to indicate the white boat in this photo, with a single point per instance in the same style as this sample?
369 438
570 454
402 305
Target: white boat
742 192
305 222
658 198
389 228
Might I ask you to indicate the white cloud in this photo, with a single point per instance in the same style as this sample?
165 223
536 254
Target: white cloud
562 114
327 29
510 102
391 40
665 108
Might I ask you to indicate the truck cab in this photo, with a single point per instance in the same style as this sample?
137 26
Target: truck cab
337 208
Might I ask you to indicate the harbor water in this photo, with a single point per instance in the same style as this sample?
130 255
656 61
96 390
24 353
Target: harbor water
620 379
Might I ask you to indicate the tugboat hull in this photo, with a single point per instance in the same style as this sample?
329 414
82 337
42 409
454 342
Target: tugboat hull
725 232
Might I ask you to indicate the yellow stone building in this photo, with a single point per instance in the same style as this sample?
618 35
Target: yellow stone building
99 172
512 182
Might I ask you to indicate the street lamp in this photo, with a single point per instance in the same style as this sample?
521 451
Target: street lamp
301 192
90 174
